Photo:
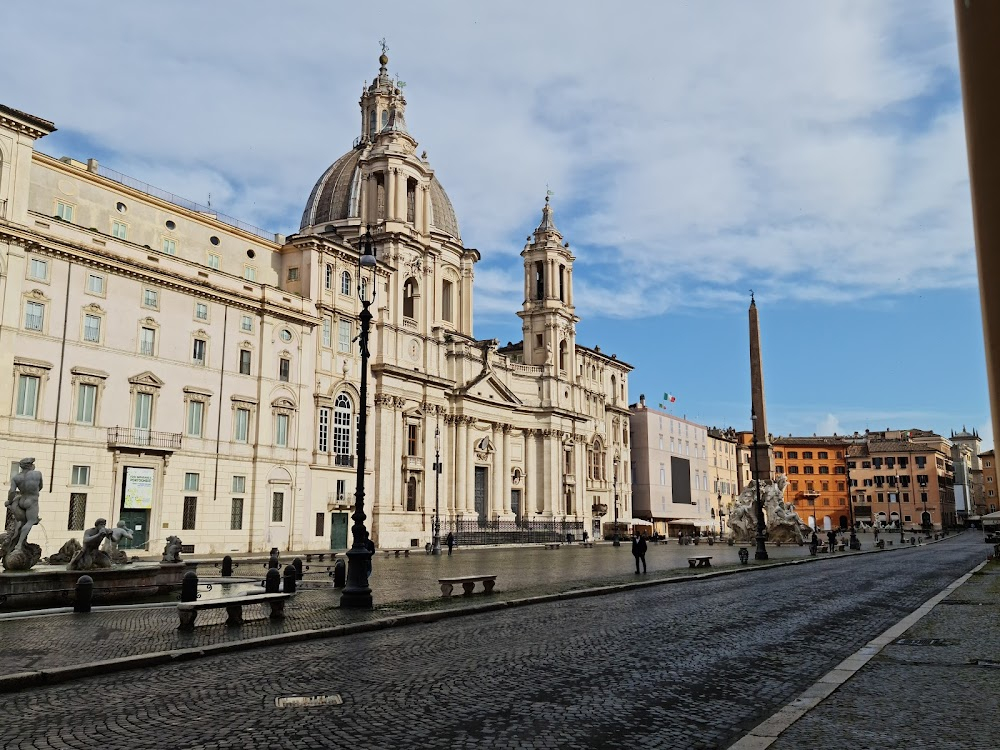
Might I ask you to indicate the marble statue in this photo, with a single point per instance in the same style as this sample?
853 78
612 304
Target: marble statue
91 555
782 523
65 553
172 550
111 542
16 552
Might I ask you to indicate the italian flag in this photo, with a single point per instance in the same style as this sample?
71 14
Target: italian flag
669 398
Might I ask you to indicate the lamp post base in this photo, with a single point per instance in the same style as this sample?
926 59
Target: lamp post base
761 552
436 546
357 594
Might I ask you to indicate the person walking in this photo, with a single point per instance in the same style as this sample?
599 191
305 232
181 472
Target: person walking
451 542
639 552
876 535
831 537
370 546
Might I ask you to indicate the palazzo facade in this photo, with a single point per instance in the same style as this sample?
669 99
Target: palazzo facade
199 377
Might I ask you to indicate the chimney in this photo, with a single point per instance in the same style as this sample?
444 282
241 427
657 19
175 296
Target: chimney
642 400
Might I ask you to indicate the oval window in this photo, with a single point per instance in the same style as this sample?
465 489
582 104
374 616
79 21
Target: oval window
170 224
214 240
285 334
251 254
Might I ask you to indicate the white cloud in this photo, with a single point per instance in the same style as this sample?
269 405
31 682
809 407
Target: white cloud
829 425
813 151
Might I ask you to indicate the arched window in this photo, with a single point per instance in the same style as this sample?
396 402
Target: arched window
385 117
328 281
411 200
342 430
614 390
345 282
411 494
562 355
598 457
447 290
409 298
371 123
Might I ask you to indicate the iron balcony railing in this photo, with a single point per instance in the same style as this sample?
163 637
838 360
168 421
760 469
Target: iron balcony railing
483 532
132 437
33 322
342 459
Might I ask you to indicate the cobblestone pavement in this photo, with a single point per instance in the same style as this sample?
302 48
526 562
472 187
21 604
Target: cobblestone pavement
693 665
937 686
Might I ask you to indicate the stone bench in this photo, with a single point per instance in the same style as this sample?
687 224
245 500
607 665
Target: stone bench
586 544
397 552
468 584
188 611
700 561
553 545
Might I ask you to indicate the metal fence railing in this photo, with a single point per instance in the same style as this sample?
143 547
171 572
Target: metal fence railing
477 533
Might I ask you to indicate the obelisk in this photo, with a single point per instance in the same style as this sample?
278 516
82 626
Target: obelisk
762 457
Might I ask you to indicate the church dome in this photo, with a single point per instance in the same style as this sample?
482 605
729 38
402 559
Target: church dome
335 197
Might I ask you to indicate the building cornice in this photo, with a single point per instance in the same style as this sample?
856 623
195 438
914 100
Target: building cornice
22 122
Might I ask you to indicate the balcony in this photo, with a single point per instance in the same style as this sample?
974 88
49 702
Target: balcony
129 437
413 463
342 459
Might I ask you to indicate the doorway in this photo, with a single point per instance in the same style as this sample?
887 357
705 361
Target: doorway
338 531
482 476
515 504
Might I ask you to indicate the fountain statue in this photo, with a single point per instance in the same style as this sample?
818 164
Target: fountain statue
111 542
783 524
172 550
16 552
91 556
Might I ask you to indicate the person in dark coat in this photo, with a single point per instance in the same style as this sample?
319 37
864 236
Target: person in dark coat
370 546
451 542
814 542
832 539
639 552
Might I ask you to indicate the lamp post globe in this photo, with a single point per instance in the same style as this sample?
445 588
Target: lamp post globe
761 552
436 544
357 594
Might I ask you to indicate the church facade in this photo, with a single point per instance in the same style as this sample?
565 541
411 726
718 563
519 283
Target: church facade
199 377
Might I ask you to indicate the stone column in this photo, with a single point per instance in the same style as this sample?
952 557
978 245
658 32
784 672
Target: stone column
362 200
496 489
390 193
426 210
505 468
529 502
461 464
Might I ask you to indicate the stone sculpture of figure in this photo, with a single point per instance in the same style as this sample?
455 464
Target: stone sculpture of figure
114 538
172 550
22 500
65 553
91 556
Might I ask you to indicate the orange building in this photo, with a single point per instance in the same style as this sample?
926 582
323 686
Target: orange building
817 478
990 488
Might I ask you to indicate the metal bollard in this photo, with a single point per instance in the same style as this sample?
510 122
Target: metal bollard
227 566
339 574
273 561
189 587
272 583
744 555
289 577
297 562
84 594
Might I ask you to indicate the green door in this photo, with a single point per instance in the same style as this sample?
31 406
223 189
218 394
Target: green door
137 520
338 531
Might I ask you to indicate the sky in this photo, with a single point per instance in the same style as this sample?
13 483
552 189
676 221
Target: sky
811 152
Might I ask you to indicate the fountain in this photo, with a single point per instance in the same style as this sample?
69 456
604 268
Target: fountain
783 524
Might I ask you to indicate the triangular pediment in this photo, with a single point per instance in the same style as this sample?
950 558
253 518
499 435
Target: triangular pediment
489 387
146 378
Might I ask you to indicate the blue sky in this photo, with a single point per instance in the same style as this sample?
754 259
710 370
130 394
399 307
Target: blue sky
813 152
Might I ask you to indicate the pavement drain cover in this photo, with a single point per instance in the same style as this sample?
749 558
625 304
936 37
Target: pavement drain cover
296 701
923 642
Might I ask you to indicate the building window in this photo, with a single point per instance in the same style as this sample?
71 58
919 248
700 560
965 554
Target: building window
80 476
246 323
92 328
191 481
343 336
793 454
239 485
86 401
236 514
807 455
409 298
327 331
320 517
34 316
119 230
95 283
446 303
284 366
198 351
27 396
244 361
195 418
277 507
323 435
151 299
824 469
250 273
190 510
64 211
200 311
328 277
241 427
169 246
411 439
147 341
214 261
38 269
293 274
77 511
143 411
281 430
345 282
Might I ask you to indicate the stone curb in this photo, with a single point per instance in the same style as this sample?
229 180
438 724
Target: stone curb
44 677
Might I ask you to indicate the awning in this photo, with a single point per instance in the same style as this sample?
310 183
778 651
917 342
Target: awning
703 522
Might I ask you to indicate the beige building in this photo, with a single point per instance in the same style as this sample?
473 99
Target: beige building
197 376
723 467
672 475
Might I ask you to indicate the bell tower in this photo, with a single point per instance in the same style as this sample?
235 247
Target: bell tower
382 104
548 320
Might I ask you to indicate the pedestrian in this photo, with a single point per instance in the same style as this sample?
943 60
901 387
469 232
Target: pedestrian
814 542
370 546
639 552
831 536
876 536
451 542
585 537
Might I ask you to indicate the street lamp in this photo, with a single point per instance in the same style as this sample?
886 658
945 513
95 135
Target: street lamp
722 520
761 553
854 543
357 594
719 515
899 502
617 542
436 546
